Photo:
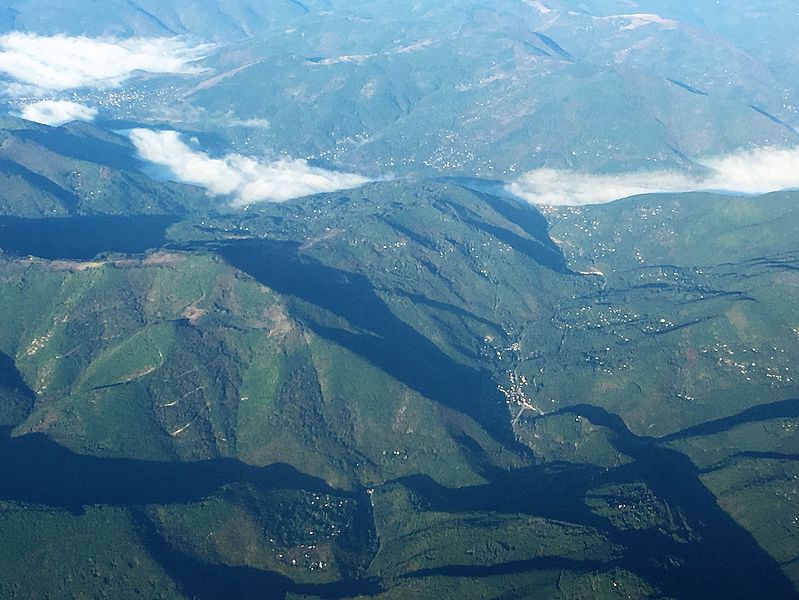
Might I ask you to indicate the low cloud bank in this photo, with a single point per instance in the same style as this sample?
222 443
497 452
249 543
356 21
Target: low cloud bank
752 172
57 112
243 179
253 123
58 63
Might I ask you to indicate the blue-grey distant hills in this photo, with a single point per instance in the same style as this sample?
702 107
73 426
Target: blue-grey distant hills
461 88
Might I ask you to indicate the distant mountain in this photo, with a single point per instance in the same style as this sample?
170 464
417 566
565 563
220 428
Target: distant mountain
597 86
218 20
527 85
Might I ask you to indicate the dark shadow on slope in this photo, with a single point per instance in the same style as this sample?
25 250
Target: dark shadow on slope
764 412
37 470
153 19
68 200
82 238
539 246
446 307
680 326
11 378
526 217
687 87
301 6
16 398
773 119
388 342
205 581
720 555
494 188
534 249
412 235
736 458
527 491
542 563
535 50
553 45
765 455
781 265
716 559
721 559
81 147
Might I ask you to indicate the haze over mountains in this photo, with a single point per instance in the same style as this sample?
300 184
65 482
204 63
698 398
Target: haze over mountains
333 300
429 88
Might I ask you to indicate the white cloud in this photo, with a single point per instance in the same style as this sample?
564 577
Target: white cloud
196 117
61 62
640 20
751 172
539 6
243 179
57 112
253 123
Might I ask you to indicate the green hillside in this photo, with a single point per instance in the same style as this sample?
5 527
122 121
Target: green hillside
410 389
80 169
219 383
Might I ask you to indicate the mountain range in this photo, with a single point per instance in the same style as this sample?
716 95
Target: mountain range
601 87
409 389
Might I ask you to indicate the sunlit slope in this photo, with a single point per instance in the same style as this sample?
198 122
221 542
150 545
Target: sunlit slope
79 169
490 399
179 356
692 317
652 313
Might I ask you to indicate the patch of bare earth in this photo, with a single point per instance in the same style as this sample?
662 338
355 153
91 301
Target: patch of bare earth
194 313
281 324
163 259
327 235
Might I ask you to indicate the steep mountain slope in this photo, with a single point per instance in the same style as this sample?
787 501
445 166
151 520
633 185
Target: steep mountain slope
409 389
432 358
79 169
